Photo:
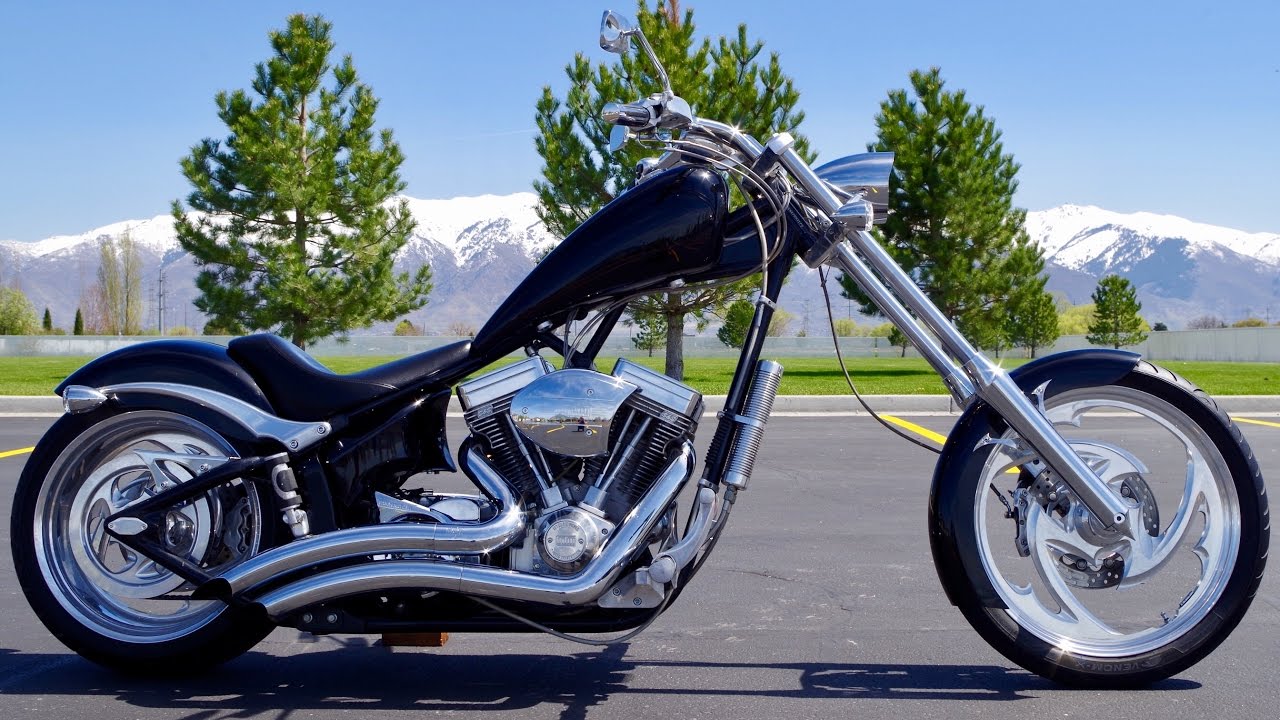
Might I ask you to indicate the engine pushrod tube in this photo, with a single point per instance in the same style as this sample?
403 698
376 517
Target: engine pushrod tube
594 580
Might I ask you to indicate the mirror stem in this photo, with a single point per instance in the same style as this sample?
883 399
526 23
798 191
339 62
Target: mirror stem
653 59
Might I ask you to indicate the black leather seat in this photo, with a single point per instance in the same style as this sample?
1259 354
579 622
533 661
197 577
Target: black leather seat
300 388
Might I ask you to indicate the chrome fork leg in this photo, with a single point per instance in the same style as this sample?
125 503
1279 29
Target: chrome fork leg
943 346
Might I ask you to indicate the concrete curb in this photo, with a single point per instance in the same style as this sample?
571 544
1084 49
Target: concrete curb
18 405
32 404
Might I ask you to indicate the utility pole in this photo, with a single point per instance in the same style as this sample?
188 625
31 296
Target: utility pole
160 292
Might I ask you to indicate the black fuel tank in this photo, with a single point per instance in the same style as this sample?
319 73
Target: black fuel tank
670 226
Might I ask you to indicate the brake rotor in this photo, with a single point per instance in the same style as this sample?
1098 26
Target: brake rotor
1134 488
1056 499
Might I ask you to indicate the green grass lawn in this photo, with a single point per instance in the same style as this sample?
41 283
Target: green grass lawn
804 376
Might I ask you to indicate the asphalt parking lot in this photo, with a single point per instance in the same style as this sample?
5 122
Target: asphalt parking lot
821 602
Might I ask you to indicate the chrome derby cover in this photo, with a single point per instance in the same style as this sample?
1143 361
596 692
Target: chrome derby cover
570 412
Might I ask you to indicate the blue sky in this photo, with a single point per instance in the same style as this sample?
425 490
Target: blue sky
1168 107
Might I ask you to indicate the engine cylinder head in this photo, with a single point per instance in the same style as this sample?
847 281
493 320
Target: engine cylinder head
742 459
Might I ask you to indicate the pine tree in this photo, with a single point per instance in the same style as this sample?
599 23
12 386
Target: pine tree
724 80
47 323
1115 321
952 224
1030 312
299 231
78 327
1033 321
898 339
406 328
737 321
651 331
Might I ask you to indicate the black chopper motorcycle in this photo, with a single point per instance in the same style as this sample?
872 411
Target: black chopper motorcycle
193 497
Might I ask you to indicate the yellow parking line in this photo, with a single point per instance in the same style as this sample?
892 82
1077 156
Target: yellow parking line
942 439
19 451
926 432
1251 421
922 431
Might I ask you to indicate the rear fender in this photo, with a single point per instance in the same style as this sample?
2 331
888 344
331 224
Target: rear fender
199 380
181 362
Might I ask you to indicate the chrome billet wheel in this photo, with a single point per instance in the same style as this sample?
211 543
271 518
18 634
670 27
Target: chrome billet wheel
1060 593
109 588
1080 586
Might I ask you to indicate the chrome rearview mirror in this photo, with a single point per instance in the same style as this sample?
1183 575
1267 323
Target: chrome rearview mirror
618 137
615 32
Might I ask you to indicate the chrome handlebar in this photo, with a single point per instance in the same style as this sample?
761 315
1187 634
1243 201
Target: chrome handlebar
659 111
632 115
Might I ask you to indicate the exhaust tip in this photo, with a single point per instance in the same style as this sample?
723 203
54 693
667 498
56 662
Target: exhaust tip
215 589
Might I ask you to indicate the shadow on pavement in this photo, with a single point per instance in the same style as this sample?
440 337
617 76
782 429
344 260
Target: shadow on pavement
352 676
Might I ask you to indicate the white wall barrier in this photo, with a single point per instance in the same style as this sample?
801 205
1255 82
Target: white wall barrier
1227 345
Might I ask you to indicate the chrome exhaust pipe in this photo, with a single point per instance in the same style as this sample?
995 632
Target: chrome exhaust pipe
589 584
447 539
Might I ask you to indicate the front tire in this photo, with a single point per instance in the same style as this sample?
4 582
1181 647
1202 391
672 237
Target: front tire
99 597
1062 596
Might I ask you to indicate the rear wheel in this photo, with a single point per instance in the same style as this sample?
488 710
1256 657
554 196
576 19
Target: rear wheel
1060 594
100 597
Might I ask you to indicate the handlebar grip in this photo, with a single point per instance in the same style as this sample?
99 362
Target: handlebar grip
634 115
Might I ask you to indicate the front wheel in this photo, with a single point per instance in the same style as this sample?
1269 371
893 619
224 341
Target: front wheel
1054 590
100 597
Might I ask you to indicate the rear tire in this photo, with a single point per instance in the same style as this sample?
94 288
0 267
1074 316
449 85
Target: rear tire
1084 606
102 599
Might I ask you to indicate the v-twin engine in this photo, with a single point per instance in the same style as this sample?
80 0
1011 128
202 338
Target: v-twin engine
580 447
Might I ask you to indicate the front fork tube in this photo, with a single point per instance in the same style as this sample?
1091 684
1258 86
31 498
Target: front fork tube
980 377
943 347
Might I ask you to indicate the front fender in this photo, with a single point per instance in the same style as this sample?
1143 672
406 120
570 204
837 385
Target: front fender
953 544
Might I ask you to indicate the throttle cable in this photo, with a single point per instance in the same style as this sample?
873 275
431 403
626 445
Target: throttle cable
822 275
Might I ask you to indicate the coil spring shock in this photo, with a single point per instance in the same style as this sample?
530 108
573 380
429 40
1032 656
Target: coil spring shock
764 388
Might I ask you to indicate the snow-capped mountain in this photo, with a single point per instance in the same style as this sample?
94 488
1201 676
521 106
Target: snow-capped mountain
1074 235
479 247
154 234
1182 269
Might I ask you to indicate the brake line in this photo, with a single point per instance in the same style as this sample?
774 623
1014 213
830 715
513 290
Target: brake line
822 276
